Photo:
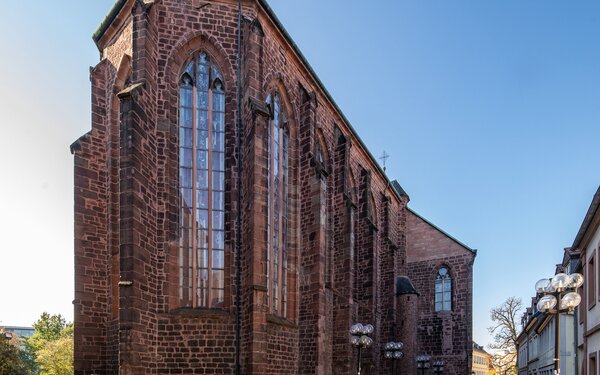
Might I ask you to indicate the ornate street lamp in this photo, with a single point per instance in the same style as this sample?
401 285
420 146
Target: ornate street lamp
559 292
438 366
359 338
392 351
423 362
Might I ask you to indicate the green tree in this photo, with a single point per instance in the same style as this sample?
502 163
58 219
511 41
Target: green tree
49 351
11 362
47 328
56 357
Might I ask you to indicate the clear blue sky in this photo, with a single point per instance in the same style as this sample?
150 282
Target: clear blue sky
490 111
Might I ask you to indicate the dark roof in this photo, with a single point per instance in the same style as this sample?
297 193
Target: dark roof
476 346
587 220
110 17
120 3
398 188
404 286
474 251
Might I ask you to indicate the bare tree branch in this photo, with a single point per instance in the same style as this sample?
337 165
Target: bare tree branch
505 335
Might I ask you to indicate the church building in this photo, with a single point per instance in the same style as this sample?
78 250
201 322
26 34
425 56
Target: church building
229 219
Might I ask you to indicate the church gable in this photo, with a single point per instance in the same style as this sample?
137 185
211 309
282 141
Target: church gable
427 241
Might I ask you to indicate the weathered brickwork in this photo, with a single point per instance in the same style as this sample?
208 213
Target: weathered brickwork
347 228
444 335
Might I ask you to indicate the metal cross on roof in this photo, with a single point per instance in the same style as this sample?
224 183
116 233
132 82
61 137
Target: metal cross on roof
384 157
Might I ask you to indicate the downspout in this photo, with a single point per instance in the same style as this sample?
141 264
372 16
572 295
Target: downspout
238 224
576 341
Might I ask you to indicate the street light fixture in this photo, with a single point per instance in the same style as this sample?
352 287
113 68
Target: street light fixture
559 296
359 338
423 362
392 351
438 366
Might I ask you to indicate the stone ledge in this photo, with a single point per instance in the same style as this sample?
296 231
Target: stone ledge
280 321
190 312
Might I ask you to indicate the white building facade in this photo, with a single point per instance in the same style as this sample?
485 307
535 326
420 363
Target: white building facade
587 242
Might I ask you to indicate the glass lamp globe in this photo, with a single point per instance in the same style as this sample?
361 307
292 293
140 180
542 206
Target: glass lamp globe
365 341
399 345
355 340
398 355
546 303
550 288
541 285
356 329
576 280
570 301
389 346
389 354
561 281
368 329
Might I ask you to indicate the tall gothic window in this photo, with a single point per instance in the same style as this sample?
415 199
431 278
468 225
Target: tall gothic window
277 220
443 290
201 184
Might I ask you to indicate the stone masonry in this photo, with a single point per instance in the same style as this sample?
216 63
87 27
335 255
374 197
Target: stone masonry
350 233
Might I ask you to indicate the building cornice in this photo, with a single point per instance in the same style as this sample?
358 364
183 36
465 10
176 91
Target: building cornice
590 221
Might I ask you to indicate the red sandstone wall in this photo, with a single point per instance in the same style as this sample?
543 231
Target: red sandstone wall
343 259
443 335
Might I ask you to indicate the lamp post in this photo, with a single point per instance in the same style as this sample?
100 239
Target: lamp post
423 362
438 366
392 351
359 338
559 292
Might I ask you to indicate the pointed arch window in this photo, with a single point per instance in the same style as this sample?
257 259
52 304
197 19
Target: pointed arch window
443 290
277 220
201 184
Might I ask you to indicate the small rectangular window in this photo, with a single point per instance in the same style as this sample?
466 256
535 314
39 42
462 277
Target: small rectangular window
581 308
591 281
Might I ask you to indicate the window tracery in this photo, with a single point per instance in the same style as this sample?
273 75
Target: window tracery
277 220
201 184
